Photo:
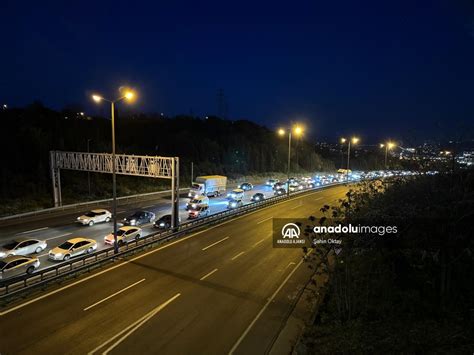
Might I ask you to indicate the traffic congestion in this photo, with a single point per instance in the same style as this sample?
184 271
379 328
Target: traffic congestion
29 251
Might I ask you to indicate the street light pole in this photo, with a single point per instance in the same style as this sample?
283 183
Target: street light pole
298 131
128 95
387 146
88 173
289 158
114 179
348 155
353 140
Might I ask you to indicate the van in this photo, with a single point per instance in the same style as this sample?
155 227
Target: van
197 201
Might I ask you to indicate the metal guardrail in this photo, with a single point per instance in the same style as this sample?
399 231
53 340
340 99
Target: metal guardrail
72 267
125 200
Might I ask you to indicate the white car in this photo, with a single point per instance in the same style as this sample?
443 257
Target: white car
94 216
73 247
22 247
124 235
17 265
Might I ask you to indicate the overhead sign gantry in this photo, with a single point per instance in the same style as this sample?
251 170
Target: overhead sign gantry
133 165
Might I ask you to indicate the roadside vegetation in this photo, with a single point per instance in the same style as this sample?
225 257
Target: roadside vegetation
410 292
236 149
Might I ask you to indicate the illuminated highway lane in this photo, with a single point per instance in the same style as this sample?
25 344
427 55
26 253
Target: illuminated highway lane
185 298
59 229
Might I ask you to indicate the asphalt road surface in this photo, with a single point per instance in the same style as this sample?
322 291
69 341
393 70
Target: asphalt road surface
57 229
222 290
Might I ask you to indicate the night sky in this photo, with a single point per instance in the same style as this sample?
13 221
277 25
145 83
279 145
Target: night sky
378 68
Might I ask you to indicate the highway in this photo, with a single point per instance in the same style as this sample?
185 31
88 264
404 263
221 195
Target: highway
57 229
222 290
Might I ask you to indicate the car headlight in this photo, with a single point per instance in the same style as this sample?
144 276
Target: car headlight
233 204
162 224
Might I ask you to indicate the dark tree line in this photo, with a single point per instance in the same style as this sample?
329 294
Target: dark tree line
215 146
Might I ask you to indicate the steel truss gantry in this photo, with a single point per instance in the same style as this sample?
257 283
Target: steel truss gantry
133 165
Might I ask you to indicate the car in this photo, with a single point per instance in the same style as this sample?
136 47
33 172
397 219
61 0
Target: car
258 197
138 218
234 204
164 222
271 182
246 186
73 247
22 247
199 211
95 216
17 265
310 184
280 192
124 235
279 185
235 194
197 201
294 186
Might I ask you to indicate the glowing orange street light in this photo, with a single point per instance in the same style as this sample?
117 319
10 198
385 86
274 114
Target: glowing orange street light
128 95
298 130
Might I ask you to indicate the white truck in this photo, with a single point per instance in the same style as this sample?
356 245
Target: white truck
211 185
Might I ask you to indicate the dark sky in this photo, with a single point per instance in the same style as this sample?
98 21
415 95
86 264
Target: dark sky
378 68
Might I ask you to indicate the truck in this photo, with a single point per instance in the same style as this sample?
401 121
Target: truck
210 186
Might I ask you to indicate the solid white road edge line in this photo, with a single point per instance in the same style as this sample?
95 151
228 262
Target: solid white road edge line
133 327
114 294
264 220
148 253
208 274
211 245
247 330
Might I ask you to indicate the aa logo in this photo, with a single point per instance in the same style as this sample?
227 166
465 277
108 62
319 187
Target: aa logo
290 231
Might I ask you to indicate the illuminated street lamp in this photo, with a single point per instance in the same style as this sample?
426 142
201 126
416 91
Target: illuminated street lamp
387 146
298 131
353 140
128 95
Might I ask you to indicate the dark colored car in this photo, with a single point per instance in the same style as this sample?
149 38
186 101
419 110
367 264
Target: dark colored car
164 222
138 218
278 185
246 186
280 192
258 197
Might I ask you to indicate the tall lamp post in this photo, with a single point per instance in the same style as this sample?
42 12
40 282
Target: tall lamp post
297 130
89 173
129 95
387 146
353 140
